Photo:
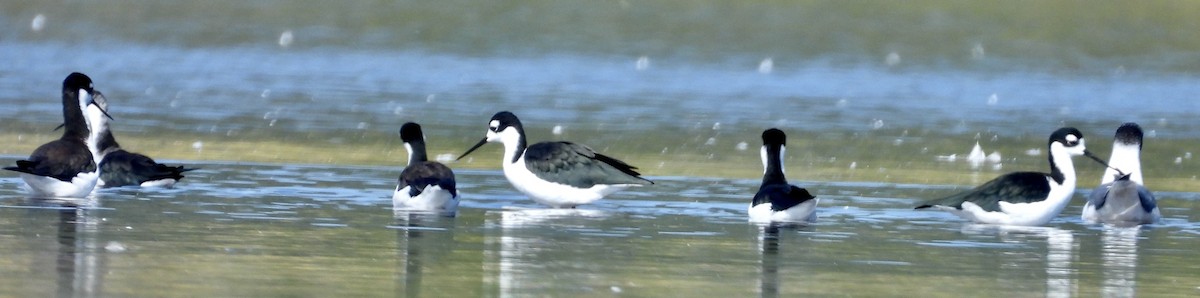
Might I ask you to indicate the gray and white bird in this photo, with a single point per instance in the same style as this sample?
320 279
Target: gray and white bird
424 185
776 200
1023 198
1122 197
66 168
558 174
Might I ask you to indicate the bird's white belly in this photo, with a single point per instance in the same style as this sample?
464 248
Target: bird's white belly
79 187
555 194
801 212
168 182
434 198
1021 214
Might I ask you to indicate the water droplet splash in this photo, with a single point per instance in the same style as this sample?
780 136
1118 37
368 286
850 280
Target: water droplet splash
286 39
642 63
766 66
39 23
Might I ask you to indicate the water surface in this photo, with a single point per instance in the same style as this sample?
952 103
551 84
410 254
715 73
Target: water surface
284 230
291 110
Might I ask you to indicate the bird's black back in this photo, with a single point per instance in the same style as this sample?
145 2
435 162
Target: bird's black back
1018 187
425 173
120 168
578 166
781 196
61 159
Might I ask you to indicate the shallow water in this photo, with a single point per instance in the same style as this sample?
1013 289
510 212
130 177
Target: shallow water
874 98
660 95
281 230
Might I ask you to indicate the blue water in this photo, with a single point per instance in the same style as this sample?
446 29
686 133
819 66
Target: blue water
265 229
655 81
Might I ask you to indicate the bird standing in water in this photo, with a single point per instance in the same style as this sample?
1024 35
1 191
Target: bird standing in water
558 174
776 200
1023 198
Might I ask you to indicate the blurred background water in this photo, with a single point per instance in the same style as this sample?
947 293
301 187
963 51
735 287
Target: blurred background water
870 93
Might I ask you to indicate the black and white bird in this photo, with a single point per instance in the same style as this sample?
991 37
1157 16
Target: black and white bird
776 200
122 168
1122 198
558 174
1023 198
423 185
66 168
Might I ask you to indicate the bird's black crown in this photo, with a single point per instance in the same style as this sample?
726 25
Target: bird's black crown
411 132
774 136
1129 134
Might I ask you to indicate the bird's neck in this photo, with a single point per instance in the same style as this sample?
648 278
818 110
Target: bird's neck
416 152
1062 169
514 149
772 165
104 143
75 125
1127 158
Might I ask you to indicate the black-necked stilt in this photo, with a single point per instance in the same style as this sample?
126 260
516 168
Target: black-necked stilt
423 185
1023 198
120 168
558 174
777 200
66 168
1122 198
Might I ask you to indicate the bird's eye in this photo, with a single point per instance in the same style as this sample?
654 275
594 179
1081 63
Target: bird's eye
1072 140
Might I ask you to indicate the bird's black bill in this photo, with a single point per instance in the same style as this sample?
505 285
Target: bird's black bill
1101 161
60 126
102 111
477 145
101 103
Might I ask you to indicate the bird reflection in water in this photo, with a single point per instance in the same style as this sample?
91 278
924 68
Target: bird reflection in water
520 243
80 259
421 240
768 247
1060 251
1120 256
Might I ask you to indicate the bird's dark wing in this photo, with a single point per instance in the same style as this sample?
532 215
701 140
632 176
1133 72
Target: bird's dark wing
1018 187
61 159
424 174
781 196
120 168
1099 195
578 166
1147 198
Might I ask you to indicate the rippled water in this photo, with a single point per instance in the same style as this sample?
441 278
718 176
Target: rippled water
278 230
874 93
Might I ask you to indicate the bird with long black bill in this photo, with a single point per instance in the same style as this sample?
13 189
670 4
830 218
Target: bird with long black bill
558 174
1122 198
1023 198
67 168
119 167
776 200
423 185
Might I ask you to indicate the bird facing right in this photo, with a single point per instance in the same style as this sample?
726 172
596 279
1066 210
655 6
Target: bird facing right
1122 198
1023 198
66 168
